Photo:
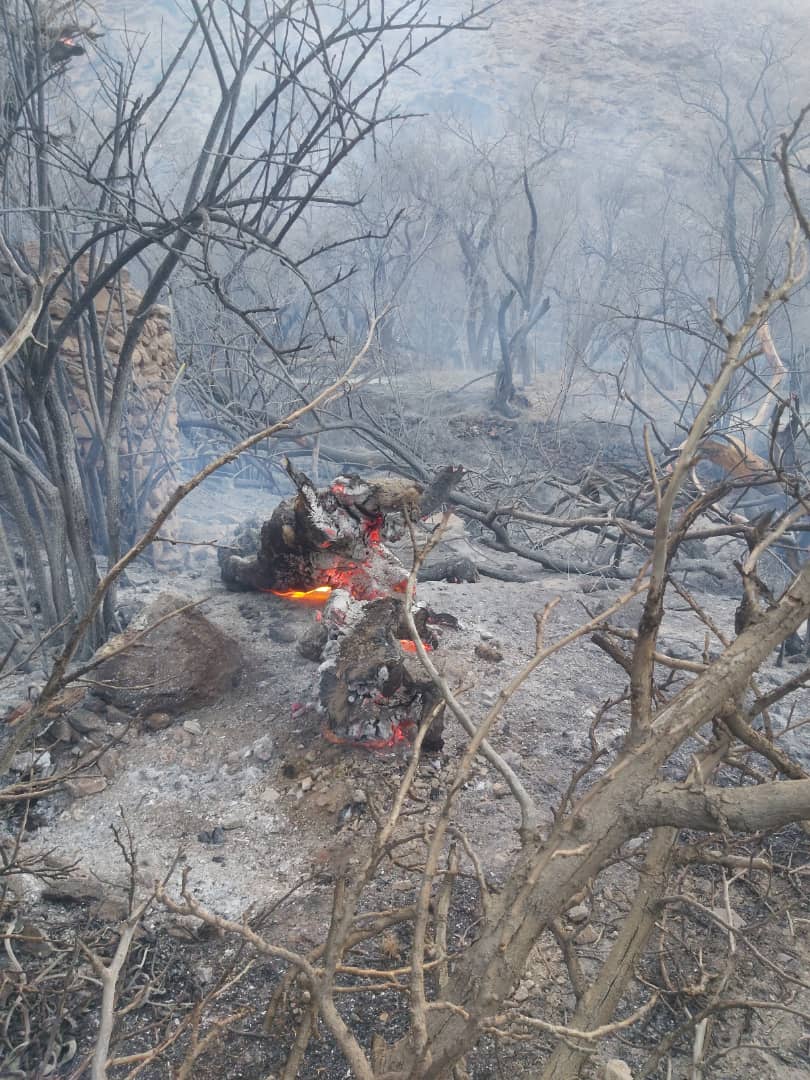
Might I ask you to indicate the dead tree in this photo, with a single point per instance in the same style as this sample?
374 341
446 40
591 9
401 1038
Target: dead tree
83 206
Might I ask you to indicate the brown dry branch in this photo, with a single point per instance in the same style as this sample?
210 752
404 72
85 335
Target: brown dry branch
521 1020
577 844
109 974
650 1066
736 357
603 996
342 936
36 287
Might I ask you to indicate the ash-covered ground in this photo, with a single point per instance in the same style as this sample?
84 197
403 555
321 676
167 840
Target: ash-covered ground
245 797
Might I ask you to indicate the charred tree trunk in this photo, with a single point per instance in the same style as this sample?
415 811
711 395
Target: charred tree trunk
325 545
504 380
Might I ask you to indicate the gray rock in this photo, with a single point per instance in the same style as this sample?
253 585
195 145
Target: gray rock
616 1069
183 662
157 721
83 786
579 913
72 890
264 749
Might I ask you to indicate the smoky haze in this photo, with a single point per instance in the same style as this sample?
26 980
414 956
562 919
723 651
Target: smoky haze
345 303
641 128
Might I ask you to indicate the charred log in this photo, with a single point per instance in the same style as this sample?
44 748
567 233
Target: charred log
452 570
372 690
329 537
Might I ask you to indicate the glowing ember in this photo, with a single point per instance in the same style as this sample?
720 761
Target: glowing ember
402 735
316 597
410 646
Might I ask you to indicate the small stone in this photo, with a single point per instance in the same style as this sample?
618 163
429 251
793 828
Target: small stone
30 939
85 721
83 786
588 935
72 890
109 764
522 993
157 721
359 796
578 913
488 651
500 791
61 731
31 759
264 749
616 1069
736 922
204 973
384 1017
117 716
680 650
307 783
193 727
215 836
182 928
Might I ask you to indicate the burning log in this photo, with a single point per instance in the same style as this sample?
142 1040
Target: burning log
372 687
324 548
329 538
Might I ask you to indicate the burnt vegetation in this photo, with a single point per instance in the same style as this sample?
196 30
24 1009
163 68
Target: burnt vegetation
432 350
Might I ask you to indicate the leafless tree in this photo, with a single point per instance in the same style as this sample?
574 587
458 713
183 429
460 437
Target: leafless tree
290 92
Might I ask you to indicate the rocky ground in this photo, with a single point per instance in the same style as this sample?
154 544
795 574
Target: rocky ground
217 768
242 793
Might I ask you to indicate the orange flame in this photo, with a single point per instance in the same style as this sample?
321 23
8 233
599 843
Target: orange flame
410 646
402 735
315 597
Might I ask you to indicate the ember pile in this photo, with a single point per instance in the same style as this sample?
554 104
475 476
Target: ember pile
324 548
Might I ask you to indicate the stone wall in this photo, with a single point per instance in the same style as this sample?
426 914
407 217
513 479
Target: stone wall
150 440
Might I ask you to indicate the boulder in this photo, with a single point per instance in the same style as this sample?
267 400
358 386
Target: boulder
186 661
